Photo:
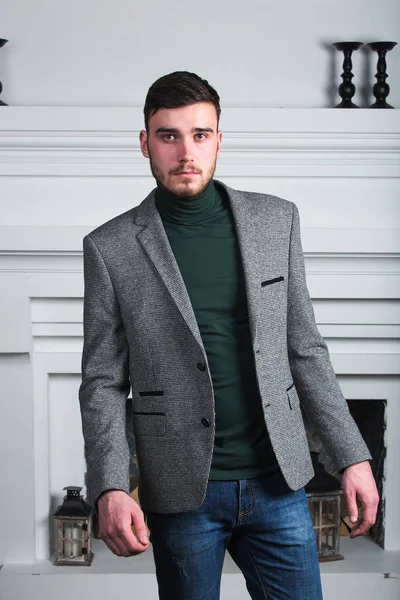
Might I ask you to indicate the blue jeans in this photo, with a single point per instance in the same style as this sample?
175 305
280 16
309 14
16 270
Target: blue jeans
270 537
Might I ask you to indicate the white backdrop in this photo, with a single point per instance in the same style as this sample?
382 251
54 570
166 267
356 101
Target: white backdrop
256 53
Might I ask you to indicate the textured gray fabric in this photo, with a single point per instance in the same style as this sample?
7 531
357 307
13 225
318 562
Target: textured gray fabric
140 331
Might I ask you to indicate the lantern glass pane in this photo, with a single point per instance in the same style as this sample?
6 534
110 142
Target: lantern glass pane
327 539
72 538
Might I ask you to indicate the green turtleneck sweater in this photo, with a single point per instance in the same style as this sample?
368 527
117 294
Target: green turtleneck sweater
202 235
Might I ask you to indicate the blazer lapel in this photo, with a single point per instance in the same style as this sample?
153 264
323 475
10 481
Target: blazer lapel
260 244
247 229
155 242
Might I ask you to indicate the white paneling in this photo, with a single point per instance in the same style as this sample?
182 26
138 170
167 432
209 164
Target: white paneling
362 345
353 311
349 263
370 332
60 201
14 314
66 459
17 500
354 285
43 366
333 202
56 310
29 247
58 344
363 242
42 285
339 202
365 364
58 330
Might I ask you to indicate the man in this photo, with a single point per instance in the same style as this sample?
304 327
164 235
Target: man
197 300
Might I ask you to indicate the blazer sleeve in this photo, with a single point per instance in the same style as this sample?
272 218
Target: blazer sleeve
312 371
105 379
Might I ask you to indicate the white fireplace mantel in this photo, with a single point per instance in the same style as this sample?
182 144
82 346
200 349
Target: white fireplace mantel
257 142
64 170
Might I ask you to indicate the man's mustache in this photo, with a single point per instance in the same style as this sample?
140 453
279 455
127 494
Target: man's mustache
185 170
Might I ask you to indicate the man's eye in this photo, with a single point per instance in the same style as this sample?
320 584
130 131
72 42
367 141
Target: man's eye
201 136
168 137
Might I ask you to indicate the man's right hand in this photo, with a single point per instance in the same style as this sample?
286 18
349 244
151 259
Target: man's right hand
117 513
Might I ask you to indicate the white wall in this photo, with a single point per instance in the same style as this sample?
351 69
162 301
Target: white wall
256 53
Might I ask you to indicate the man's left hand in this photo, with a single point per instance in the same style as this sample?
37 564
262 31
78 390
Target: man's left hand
358 483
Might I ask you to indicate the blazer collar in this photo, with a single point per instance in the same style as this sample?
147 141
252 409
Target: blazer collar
156 244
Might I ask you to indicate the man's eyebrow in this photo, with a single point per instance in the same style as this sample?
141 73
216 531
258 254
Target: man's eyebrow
166 130
176 131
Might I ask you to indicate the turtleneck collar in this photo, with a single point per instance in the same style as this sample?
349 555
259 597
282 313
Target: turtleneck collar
187 211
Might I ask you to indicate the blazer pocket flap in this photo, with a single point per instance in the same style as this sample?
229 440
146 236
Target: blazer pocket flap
271 281
293 398
151 424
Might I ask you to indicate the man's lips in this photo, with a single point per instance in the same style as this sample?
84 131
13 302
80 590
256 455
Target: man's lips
187 173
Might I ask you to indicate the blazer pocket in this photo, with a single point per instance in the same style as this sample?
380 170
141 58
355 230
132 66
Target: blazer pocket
292 397
271 281
152 393
149 423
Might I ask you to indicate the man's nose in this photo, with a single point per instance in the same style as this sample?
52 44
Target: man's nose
185 150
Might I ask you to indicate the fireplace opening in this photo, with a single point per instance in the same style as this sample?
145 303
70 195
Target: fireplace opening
369 416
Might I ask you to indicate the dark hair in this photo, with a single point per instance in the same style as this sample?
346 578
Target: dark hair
177 89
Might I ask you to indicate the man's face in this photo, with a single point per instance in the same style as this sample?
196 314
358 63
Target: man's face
183 145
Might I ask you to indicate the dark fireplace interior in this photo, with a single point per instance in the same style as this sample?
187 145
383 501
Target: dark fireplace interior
370 418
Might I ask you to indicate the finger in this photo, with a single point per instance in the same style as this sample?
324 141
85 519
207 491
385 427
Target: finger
351 502
360 528
130 543
113 543
144 540
369 513
121 547
140 529
122 542
368 519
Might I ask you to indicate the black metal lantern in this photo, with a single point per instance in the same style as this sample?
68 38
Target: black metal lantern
324 499
74 530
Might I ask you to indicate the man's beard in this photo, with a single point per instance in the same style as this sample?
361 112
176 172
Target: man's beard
183 191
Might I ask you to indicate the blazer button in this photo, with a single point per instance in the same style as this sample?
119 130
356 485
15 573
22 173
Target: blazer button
205 422
201 366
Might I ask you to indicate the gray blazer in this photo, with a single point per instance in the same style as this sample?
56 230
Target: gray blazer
140 331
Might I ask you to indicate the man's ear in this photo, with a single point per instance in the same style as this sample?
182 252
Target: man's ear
219 141
143 143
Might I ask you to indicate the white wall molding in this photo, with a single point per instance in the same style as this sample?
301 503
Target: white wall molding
32 240
103 142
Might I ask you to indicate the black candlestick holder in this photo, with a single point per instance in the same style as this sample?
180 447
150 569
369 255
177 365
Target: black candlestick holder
381 89
347 89
2 42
